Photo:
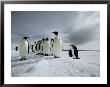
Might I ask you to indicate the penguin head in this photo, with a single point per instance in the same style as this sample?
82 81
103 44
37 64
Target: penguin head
56 32
52 39
73 46
47 39
43 39
25 38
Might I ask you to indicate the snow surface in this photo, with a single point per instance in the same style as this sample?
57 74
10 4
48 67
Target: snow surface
38 66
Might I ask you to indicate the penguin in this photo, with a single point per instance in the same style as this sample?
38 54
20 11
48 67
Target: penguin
51 46
46 47
34 47
24 48
75 51
57 45
70 53
41 46
37 47
16 48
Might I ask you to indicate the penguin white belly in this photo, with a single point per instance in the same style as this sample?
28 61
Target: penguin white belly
72 51
46 47
57 47
41 45
23 48
34 47
38 51
51 48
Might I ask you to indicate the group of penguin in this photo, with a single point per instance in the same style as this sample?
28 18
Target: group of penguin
44 47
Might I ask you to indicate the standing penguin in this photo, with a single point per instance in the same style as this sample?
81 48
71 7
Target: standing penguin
75 51
24 48
43 46
70 53
51 46
34 47
38 47
46 47
57 45
16 48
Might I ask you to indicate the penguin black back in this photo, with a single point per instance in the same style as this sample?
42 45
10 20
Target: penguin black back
75 51
70 53
16 48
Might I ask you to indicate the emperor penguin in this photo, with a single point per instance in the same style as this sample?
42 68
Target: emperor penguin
57 45
38 47
70 53
24 48
16 48
34 47
51 46
46 47
42 46
75 51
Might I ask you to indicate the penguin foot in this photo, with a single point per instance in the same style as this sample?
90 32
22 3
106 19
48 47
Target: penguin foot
46 55
41 54
24 58
77 58
21 59
56 57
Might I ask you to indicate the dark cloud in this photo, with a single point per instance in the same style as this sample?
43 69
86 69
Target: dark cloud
85 29
82 36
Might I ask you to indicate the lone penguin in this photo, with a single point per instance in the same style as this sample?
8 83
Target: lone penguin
75 51
24 48
57 45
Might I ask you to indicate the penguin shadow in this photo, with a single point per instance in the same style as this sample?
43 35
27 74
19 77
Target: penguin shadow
38 56
50 58
14 59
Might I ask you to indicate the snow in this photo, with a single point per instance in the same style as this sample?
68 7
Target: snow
38 66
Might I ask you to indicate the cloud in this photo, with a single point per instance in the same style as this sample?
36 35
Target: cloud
85 29
78 27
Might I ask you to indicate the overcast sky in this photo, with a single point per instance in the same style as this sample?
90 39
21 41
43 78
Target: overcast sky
75 27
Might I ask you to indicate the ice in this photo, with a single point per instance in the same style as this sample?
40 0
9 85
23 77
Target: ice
47 66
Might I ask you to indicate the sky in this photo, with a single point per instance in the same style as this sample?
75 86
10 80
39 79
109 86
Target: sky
81 28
